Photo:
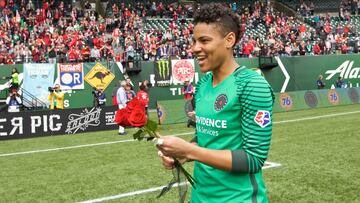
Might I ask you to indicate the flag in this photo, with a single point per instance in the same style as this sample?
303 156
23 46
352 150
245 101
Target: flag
37 80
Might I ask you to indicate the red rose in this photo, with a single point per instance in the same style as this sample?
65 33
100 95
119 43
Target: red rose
133 104
121 117
137 117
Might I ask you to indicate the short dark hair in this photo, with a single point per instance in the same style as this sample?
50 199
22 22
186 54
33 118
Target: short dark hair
142 87
222 16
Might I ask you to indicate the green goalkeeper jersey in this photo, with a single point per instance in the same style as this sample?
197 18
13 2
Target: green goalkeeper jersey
234 115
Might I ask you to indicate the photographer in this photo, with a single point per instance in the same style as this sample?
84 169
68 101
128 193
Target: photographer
13 101
56 97
99 97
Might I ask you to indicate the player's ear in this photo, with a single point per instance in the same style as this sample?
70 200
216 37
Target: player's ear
230 40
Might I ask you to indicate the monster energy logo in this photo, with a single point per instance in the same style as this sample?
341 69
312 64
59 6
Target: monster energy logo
163 69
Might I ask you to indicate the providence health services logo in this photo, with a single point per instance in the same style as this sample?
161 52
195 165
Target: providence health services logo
83 120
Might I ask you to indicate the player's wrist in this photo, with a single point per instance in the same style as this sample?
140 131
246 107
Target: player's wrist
190 159
192 152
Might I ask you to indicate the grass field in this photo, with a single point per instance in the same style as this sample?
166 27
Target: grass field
319 153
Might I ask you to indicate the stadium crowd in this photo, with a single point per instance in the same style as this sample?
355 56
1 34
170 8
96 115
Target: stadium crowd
349 7
58 32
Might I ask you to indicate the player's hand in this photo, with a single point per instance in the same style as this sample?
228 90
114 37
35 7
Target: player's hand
168 162
175 147
191 114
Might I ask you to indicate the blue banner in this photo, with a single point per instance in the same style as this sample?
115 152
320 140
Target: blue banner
37 80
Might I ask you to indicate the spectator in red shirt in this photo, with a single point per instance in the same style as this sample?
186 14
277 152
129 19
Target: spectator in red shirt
344 48
73 54
302 28
327 28
35 55
248 48
346 30
268 20
85 52
2 4
47 39
316 49
8 59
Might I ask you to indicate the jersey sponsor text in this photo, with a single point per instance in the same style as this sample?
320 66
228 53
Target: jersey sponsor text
211 122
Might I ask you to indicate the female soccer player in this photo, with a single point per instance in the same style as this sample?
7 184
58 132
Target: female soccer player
233 117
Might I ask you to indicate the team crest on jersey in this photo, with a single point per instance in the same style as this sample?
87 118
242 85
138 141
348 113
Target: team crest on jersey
220 102
262 118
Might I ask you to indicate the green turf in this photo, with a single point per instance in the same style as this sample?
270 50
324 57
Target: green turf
320 163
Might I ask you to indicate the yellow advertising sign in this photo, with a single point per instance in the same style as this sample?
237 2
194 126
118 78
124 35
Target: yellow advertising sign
99 77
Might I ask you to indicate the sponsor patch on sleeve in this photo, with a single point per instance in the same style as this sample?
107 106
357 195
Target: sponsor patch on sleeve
262 118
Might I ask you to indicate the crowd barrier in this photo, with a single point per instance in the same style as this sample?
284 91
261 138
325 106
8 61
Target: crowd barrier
174 111
57 122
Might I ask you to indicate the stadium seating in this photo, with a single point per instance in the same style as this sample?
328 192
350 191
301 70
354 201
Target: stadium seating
253 19
334 21
39 3
320 5
163 23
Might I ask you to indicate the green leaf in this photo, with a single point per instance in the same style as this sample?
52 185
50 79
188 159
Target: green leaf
137 135
142 135
151 133
151 125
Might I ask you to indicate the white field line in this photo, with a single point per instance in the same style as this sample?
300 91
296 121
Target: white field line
316 117
139 192
269 164
114 142
79 146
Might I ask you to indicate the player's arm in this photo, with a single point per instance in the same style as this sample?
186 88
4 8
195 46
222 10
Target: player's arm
257 102
250 158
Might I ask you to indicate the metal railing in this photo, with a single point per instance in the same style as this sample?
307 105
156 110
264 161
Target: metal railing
30 101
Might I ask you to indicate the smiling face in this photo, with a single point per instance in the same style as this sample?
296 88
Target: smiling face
210 47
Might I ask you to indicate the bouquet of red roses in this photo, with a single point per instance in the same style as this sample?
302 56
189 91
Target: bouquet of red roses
134 115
